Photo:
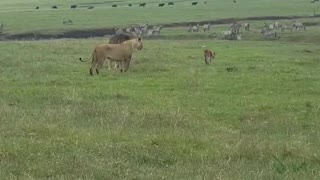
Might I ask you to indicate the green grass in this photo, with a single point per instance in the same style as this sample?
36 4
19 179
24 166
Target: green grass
21 16
169 116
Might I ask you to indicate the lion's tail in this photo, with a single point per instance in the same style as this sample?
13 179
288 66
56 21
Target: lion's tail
92 56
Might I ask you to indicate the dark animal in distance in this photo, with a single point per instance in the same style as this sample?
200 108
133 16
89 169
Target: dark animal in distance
73 6
1 27
194 3
54 7
90 7
119 38
142 4
67 21
170 3
37 7
129 5
161 5
114 5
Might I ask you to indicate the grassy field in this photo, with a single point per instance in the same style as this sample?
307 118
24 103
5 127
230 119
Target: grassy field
20 16
170 116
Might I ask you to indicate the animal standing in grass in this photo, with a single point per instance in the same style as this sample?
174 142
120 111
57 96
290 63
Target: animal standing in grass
208 55
118 39
73 6
1 27
194 3
206 27
114 52
246 26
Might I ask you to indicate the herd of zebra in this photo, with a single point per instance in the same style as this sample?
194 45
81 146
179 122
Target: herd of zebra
235 33
196 28
141 30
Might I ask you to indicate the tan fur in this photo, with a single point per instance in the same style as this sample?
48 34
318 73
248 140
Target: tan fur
121 53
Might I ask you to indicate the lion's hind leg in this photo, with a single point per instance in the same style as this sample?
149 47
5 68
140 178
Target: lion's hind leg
93 66
100 64
93 62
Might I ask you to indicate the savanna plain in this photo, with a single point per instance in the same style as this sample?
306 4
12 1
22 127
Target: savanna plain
252 114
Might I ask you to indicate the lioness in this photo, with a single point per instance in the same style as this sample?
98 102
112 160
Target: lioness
118 39
114 52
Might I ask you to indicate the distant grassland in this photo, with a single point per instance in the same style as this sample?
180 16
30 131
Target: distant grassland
21 16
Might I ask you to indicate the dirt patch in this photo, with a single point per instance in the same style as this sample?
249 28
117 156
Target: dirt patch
68 34
110 31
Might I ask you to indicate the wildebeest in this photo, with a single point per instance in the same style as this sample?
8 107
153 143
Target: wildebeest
142 4
206 27
121 53
161 4
73 6
54 7
37 7
170 3
90 7
119 38
129 5
208 55
194 3
67 21
114 5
